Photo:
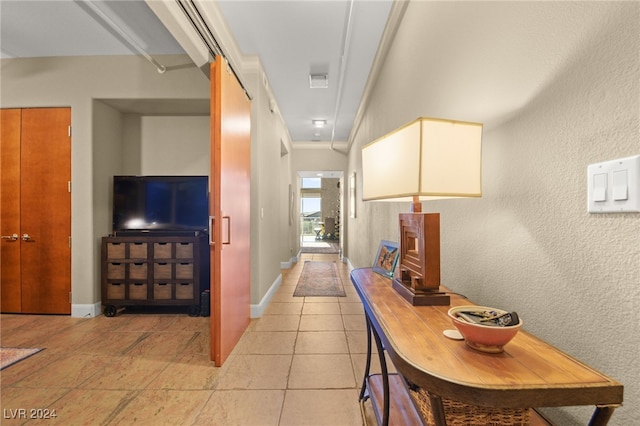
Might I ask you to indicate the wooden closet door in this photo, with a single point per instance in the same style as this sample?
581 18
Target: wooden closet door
45 210
230 205
10 287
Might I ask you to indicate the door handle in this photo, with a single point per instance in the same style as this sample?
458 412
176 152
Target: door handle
228 219
26 237
211 220
11 237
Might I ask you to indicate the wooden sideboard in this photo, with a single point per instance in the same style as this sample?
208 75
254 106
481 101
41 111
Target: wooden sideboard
529 373
154 270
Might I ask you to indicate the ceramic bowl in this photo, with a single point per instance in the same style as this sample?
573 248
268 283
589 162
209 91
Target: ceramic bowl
484 338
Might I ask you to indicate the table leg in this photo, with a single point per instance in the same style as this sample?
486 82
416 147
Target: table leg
367 367
601 415
385 378
437 410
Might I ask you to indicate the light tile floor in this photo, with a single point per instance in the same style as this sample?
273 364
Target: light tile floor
300 364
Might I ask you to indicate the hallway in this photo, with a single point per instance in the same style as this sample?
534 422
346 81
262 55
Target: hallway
300 364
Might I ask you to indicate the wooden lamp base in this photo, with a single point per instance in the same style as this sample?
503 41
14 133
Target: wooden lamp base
417 277
421 297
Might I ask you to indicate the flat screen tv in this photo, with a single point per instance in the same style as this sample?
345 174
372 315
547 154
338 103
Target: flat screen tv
160 203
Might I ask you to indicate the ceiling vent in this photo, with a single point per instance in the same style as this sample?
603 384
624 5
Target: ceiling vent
318 81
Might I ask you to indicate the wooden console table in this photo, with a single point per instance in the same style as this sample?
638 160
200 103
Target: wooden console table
529 373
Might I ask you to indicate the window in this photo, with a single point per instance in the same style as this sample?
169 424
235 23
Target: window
310 207
311 183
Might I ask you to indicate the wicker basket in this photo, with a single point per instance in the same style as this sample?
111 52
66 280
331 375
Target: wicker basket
459 414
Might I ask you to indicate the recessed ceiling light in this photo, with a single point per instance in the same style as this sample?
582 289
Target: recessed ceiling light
318 81
319 123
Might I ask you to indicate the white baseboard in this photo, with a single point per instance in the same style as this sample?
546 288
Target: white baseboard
289 264
348 262
81 310
257 310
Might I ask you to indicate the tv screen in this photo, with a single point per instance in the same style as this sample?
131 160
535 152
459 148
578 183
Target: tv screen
163 203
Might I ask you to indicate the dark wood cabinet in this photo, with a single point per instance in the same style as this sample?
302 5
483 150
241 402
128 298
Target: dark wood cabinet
154 270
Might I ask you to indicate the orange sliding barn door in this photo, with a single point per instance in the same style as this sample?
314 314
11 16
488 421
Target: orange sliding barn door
36 211
230 211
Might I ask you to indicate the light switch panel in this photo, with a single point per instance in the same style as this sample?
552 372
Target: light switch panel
614 186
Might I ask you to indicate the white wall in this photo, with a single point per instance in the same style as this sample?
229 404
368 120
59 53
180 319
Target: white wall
132 145
108 153
557 86
289 217
270 179
178 145
311 156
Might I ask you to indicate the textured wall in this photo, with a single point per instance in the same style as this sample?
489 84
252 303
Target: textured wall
557 91
330 198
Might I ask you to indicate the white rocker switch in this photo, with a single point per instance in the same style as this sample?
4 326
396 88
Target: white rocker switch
620 185
600 187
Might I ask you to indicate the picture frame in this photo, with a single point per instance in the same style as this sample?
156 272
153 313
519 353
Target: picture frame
386 258
352 195
291 215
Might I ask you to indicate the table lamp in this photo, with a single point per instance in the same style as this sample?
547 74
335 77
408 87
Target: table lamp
426 159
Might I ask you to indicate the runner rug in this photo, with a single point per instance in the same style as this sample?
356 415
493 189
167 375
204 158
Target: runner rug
319 279
9 356
325 247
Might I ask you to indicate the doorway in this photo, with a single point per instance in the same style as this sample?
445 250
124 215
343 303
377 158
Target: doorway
320 211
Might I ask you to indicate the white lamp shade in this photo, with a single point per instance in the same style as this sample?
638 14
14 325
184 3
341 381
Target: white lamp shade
428 158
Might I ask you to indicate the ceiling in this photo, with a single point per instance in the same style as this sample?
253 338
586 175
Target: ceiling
293 39
297 38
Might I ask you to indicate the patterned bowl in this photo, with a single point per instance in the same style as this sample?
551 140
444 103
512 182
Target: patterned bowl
484 338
